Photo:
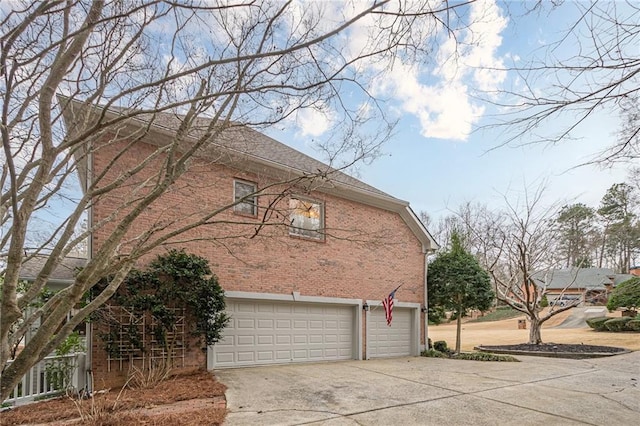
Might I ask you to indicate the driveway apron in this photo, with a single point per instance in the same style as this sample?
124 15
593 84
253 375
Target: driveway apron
433 391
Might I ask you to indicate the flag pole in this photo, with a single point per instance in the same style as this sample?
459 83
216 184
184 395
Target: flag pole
377 306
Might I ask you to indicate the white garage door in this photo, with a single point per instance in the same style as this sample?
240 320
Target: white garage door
261 332
388 341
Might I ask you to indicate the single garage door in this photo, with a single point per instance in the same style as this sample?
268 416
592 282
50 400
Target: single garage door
388 341
266 332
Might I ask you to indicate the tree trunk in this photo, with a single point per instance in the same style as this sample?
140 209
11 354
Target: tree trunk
459 328
534 332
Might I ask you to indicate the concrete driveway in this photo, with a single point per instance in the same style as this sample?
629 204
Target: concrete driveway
431 391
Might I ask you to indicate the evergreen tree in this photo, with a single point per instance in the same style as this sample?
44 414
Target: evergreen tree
457 283
576 225
622 235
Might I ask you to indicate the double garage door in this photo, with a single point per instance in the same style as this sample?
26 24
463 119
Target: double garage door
270 332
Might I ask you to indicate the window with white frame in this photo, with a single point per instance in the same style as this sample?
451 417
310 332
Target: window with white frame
306 218
242 191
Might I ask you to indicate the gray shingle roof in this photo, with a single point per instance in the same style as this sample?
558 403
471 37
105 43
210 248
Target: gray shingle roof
64 273
249 142
620 278
573 278
243 148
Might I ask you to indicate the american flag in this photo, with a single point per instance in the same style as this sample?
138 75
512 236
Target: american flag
387 304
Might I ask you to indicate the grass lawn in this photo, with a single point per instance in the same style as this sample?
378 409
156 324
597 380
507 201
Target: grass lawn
501 313
506 332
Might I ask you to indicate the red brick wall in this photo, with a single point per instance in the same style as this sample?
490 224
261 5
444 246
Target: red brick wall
112 374
369 252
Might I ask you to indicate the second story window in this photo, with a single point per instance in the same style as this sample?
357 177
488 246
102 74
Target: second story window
242 190
307 218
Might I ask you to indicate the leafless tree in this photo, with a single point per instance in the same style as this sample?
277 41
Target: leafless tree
242 63
518 246
526 260
592 67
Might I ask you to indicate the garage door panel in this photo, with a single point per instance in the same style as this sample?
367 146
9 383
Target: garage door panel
265 340
281 308
300 339
245 356
300 354
317 338
317 324
331 338
246 340
283 340
331 324
265 323
245 323
261 356
245 308
283 324
262 308
283 355
224 358
265 332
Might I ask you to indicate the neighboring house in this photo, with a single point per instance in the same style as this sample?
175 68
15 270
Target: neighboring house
309 292
588 285
36 383
61 277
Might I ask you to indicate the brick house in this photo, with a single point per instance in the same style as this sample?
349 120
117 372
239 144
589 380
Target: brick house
308 288
578 285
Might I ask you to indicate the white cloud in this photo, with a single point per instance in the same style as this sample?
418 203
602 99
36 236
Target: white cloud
442 98
314 121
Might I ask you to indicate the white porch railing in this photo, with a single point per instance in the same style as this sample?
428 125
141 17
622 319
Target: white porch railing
42 381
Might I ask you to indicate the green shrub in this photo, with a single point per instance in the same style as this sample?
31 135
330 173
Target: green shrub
617 324
625 295
440 346
598 323
432 353
544 302
469 356
174 280
483 356
436 315
634 325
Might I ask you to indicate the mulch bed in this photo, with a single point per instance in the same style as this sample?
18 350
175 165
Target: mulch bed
134 406
558 350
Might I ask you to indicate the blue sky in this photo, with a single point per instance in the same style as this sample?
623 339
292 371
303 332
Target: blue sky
436 162
436 159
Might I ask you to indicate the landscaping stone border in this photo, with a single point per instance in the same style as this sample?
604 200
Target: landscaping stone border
549 354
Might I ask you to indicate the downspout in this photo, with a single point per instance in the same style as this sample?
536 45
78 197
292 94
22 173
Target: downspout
89 325
425 251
